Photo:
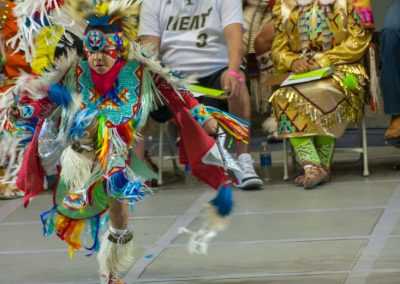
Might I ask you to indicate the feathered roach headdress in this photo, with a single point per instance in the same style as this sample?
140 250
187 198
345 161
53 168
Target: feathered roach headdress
113 16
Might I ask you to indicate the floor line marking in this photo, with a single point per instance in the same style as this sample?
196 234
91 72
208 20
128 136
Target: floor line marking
224 243
238 276
381 233
245 213
41 251
278 241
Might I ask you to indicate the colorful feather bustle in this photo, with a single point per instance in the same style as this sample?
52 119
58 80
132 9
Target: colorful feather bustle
32 15
152 63
13 136
71 230
36 87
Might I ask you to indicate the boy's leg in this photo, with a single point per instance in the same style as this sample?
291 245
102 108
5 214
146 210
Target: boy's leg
116 255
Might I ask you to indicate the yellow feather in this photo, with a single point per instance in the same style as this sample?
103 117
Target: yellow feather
102 9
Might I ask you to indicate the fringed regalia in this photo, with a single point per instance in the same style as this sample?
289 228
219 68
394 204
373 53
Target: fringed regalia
335 33
256 14
90 133
14 135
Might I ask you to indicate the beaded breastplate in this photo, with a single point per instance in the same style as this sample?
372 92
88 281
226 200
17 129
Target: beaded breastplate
121 103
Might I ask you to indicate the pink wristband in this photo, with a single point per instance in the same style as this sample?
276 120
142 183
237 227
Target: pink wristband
237 75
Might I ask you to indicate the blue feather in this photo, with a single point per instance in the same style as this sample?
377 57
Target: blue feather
82 121
60 95
224 200
44 217
121 187
95 231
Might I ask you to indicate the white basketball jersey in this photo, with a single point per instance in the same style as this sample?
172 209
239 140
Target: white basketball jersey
191 32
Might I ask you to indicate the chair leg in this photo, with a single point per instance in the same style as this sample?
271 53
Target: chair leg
170 145
364 146
285 160
160 154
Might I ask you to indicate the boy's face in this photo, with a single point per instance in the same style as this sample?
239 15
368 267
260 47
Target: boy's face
101 50
102 61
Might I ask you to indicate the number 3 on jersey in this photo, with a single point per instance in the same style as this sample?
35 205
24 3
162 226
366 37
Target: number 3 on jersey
202 40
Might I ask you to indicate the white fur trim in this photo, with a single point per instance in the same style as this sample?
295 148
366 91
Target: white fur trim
137 52
269 125
36 87
76 168
10 155
64 19
25 12
115 259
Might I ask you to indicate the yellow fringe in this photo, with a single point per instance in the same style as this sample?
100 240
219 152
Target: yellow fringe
347 110
104 149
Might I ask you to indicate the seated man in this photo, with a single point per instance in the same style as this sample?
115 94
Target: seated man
204 38
390 74
313 114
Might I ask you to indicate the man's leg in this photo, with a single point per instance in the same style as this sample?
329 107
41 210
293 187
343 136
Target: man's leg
116 255
240 106
390 75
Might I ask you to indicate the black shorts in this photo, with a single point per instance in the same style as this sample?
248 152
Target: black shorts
163 114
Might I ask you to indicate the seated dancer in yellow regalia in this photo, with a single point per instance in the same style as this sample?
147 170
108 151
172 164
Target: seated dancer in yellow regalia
313 34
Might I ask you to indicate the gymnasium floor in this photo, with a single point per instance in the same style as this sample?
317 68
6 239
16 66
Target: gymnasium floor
344 232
